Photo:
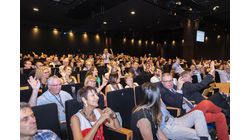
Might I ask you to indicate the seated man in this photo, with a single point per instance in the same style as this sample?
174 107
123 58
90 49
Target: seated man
54 94
28 128
172 97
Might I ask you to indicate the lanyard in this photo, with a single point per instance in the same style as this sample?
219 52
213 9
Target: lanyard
59 101
97 135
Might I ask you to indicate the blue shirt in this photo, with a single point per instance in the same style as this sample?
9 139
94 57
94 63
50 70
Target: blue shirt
48 97
45 135
165 115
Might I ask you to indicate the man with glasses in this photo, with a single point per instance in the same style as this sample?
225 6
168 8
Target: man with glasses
54 94
172 96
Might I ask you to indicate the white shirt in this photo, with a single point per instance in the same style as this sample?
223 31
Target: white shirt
155 79
224 76
106 57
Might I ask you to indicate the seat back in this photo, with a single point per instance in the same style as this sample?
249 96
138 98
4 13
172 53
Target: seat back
224 87
217 77
138 93
71 108
67 88
82 76
195 79
26 92
47 117
55 71
122 101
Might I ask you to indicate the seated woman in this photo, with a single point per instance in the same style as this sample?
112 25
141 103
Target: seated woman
114 83
146 117
94 72
87 123
42 74
67 78
90 80
129 81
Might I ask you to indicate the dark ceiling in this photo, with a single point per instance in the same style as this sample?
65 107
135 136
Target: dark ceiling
151 15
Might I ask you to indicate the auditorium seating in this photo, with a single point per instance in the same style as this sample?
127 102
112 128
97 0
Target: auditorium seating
122 101
47 117
224 87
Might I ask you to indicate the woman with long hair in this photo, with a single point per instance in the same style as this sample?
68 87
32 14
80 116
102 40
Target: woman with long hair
87 123
146 117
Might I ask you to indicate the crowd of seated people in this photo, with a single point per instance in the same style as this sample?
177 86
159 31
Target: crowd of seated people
172 79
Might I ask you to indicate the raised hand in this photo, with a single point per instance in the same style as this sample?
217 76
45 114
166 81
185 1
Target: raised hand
180 83
34 83
104 81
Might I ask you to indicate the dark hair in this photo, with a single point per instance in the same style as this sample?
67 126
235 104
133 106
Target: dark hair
150 99
83 92
113 76
24 105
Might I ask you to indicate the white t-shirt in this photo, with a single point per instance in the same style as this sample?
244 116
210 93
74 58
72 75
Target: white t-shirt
106 57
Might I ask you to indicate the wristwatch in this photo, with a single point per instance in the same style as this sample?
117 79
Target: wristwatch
113 116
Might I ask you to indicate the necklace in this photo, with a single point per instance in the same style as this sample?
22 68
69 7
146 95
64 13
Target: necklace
97 135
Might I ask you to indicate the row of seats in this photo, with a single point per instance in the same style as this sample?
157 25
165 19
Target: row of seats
122 101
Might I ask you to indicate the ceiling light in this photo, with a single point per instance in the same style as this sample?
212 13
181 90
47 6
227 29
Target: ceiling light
132 12
178 3
174 14
35 9
216 7
190 9
104 22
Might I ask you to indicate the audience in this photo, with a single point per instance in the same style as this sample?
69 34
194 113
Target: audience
113 67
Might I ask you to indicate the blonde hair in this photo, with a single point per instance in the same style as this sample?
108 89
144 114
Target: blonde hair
40 71
128 75
88 78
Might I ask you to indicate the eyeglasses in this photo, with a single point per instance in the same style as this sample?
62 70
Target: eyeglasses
167 81
46 72
56 85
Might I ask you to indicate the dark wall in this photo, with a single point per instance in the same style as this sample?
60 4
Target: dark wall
45 41
213 47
